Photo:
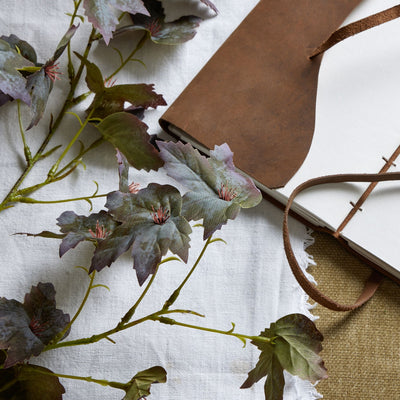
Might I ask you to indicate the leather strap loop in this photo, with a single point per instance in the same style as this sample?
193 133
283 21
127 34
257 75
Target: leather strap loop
357 27
374 280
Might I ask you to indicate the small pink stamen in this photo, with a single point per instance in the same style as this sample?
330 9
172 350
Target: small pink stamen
109 82
154 27
100 232
36 327
52 72
226 193
134 187
160 216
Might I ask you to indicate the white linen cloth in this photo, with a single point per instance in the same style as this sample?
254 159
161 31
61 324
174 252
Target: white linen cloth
247 282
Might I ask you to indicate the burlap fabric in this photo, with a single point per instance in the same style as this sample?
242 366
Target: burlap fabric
361 348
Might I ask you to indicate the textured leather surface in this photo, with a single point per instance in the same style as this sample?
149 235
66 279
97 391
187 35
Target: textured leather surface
258 92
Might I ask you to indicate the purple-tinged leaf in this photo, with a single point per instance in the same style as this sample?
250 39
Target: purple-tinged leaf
161 32
294 345
217 190
15 334
4 98
21 46
123 172
63 43
101 13
29 382
45 234
128 134
39 86
139 385
151 223
26 328
12 82
40 83
110 100
95 227
46 321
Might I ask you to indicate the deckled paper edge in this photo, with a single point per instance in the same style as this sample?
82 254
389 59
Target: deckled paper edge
305 260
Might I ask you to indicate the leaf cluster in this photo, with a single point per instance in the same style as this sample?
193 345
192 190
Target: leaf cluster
294 345
23 78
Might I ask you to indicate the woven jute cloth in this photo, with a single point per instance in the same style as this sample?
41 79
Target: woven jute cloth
361 349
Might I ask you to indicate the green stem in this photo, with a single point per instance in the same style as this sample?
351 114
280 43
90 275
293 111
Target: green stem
177 291
103 382
68 327
71 72
127 317
54 168
140 44
34 201
27 150
53 128
240 336
105 335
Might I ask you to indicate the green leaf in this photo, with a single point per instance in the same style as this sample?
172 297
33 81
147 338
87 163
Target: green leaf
161 32
101 13
94 78
29 382
139 385
22 47
217 190
294 345
12 82
151 223
129 135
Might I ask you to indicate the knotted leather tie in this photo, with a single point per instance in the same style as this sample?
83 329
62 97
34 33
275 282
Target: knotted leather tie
375 278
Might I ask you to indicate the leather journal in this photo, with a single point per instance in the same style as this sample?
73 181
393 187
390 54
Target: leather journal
258 94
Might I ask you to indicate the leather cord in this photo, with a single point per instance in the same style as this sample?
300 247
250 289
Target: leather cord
374 280
357 27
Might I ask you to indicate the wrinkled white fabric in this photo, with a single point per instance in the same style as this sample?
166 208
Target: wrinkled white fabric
247 281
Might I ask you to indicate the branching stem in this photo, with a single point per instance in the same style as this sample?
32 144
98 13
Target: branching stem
177 291
102 382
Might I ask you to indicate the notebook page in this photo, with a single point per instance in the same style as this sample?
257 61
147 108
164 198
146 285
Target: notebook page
357 117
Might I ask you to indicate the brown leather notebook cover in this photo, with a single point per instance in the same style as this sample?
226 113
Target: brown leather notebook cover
258 92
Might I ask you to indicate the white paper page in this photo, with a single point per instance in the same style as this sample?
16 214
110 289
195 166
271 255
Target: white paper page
357 116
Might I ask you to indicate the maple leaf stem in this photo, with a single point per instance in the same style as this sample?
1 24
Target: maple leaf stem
240 336
68 327
139 45
127 317
71 71
171 300
27 150
9 198
120 327
54 168
103 382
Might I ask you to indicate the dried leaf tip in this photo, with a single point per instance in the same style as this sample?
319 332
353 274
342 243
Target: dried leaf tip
160 216
100 232
226 193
